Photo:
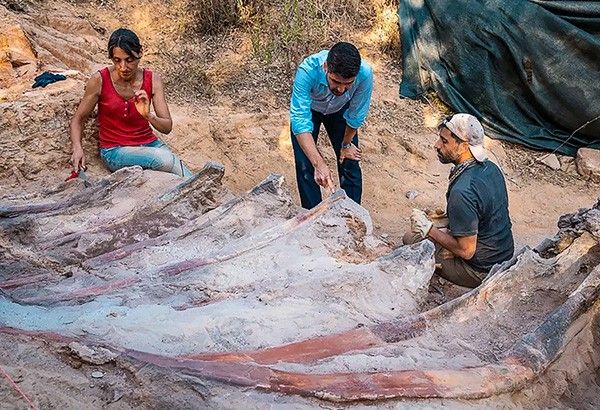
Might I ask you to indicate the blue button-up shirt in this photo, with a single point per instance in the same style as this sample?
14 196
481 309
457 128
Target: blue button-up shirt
311 91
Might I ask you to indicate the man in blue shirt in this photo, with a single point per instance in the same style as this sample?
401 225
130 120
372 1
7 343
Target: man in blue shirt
333 88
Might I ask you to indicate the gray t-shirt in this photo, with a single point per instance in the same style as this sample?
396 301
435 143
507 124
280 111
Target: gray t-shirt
478 205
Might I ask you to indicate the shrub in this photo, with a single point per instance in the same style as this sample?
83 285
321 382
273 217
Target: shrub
214 16
295 28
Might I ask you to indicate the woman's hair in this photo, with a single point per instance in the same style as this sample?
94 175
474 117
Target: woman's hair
127 41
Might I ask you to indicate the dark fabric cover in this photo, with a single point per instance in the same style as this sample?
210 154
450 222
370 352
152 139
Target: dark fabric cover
529 70
46 78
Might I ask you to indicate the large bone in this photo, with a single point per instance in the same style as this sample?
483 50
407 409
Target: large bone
83 293
265 238
85 197
25 280
270 184
154 219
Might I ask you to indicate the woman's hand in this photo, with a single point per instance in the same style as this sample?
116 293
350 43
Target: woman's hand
77 159
142 103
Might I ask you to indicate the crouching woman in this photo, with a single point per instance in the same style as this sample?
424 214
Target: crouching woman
124 93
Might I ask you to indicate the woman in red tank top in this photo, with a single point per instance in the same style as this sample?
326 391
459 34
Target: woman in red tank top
124 94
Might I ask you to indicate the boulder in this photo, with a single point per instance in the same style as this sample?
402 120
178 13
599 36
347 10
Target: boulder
17 54
588 163
34 132
34 123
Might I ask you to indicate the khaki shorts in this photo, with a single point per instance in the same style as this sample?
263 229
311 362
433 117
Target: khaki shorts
458 271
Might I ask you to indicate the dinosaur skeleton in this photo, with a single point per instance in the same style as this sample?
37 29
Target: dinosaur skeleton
250 290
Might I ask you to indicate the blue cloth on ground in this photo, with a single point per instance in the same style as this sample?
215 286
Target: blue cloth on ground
46 78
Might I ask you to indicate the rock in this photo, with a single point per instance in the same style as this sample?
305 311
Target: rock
551 161
93 355
16 54
34 130
411 194
97 374
34 123
588 163
567 163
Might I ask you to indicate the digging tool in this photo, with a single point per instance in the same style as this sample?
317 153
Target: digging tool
81 175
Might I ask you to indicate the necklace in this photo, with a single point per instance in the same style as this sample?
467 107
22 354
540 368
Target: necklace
459 169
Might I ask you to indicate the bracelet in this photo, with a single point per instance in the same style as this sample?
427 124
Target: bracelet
346 146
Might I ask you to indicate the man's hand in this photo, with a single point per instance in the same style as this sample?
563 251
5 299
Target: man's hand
420 223
323 177
142 103
350 153
77 159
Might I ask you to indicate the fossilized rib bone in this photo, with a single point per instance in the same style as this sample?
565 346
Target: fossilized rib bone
265 239
270 184
97 192
151 220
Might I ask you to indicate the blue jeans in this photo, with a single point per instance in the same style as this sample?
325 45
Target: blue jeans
349 170
155 155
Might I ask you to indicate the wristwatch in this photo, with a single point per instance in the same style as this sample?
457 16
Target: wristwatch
346 146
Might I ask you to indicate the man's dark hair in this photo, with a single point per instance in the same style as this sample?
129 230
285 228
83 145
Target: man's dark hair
127 41
344 60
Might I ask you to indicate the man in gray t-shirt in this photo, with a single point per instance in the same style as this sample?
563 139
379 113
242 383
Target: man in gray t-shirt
480 231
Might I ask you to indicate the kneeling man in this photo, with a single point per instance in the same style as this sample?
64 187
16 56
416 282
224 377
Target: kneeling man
480 231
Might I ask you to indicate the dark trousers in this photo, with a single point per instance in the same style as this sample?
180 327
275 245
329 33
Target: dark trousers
349 171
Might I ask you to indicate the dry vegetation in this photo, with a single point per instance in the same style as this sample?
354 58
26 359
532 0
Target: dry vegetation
207 48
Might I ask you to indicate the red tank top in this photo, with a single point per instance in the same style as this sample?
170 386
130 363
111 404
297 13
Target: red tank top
119 122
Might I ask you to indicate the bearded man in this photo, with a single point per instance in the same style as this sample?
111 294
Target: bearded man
479 233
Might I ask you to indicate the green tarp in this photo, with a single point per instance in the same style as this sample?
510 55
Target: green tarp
529 70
